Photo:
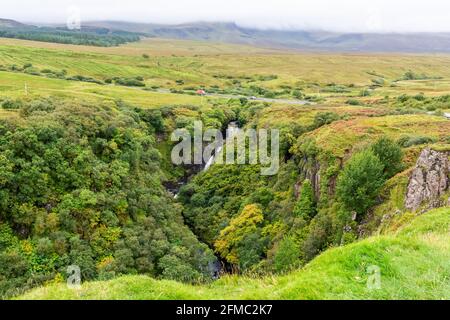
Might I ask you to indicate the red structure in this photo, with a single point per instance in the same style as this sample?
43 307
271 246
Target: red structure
201 92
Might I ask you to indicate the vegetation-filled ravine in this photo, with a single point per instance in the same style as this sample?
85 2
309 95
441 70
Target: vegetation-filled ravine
407 258
86 177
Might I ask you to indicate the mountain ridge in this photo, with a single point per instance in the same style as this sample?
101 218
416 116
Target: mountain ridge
231 32
302 40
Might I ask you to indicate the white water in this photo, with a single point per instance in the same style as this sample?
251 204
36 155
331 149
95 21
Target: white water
232 130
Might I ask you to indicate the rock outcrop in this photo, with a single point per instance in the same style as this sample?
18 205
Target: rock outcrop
429 180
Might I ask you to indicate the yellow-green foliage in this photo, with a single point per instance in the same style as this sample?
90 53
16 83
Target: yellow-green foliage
413 264
242 225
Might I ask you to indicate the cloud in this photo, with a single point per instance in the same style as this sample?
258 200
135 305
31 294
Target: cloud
343 15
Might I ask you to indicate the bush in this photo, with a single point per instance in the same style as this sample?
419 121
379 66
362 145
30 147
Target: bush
390 155
353 102
306 206
84 79
407 142
324 118
297 94
129 82
360 181
11 104
287 255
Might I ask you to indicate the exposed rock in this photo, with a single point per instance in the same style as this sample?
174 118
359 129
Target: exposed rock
310 169
429 180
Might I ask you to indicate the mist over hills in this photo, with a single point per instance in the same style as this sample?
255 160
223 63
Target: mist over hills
307 40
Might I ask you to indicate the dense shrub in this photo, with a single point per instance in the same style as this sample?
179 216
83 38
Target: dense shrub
305 207
390 155
407 142
360 181
353 102
130 82
10 104
287 255
82 185
324 118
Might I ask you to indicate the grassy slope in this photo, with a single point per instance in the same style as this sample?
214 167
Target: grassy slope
414 264
347 134
13 85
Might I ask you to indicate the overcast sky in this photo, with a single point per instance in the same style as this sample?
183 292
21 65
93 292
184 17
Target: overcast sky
336 15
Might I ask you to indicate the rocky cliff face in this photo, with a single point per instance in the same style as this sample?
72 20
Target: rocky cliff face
429 180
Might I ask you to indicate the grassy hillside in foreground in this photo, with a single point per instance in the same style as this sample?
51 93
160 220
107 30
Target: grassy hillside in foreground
414 264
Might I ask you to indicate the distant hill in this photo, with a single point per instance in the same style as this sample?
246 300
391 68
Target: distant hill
7 23
295 39
94 36
112 33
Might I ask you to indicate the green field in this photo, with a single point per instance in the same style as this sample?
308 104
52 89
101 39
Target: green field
205 64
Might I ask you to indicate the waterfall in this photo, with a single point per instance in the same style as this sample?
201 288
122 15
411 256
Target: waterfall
233 129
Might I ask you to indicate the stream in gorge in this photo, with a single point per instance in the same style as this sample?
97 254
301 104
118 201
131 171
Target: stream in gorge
219 266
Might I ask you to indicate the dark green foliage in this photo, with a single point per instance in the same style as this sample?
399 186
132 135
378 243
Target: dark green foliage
421 102
353 102
410 75
251 250
130 82
89 36
324 118
84 79
152 117
297 94
10 104
287 255
360 181
81 185
319 236
390 155
305 207
407 142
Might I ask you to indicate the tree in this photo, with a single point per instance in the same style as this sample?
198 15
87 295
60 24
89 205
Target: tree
390 155
287 254
360 181
232 236
306 204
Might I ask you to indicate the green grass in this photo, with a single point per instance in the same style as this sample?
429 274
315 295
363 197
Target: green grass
196 63
13 85
414 264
